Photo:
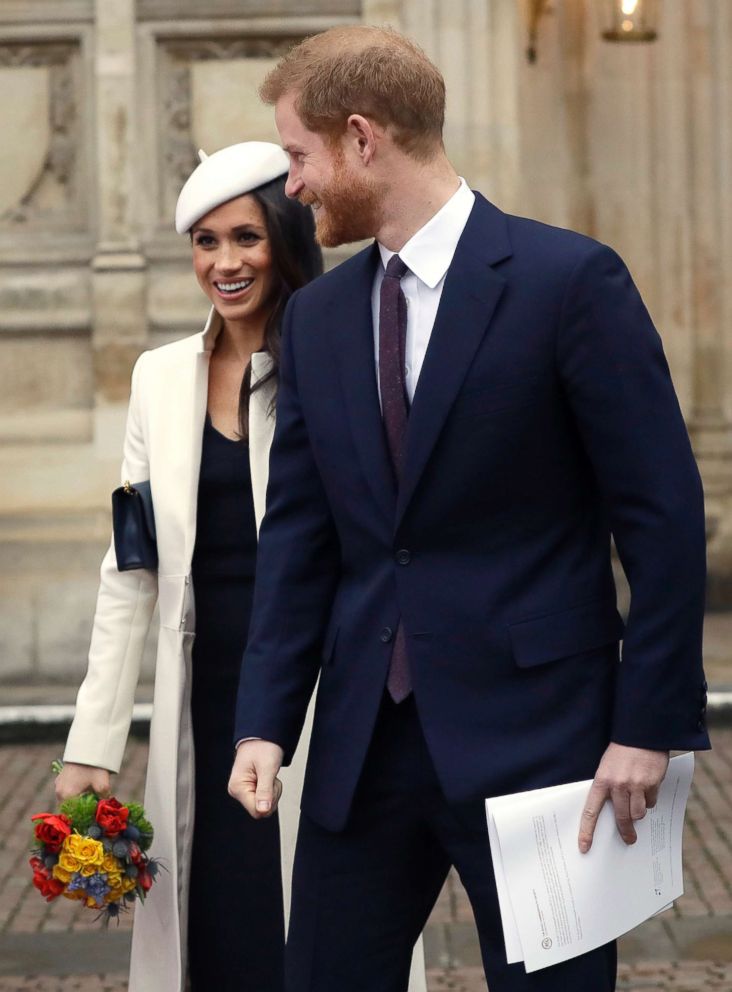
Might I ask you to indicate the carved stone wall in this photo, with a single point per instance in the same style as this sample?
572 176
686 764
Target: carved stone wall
42 186
104 107
46 379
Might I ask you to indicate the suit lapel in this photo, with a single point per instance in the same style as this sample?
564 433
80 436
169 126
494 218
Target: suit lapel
261 430
469 298
352 328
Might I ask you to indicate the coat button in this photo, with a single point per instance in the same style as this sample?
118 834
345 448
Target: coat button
403 556
386 634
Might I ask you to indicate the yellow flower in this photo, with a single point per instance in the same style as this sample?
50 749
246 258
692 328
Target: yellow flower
68 861
62 874
114 895
90 852
74 894
114 880
72 844
86 850
111 865
88 870
128 883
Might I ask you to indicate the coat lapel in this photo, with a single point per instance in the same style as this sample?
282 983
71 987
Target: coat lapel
194 401
351 323
197 412
469 298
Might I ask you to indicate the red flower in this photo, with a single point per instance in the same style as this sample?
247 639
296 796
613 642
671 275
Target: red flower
48 886
112 816
136 856
52 830
144 879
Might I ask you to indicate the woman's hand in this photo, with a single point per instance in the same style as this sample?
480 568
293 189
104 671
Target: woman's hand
74 779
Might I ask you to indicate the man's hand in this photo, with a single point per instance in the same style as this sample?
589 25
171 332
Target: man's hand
630 777
253 780
73 779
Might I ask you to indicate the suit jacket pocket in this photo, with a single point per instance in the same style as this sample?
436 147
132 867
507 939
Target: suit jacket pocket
485 400
558 635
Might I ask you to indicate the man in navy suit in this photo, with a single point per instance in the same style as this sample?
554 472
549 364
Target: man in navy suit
467 411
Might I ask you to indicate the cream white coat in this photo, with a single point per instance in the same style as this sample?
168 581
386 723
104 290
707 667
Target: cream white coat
163 444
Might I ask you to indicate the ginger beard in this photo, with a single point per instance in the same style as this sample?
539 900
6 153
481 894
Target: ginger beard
349 207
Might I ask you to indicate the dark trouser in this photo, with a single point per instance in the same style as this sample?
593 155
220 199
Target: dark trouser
235 925
362 896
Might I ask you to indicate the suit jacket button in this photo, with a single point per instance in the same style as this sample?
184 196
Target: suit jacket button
386 634
403 556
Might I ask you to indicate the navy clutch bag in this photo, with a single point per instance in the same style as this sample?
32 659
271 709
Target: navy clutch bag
133 526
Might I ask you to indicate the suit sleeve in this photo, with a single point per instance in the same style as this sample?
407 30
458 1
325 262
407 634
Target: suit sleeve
298 565
618 384
125 605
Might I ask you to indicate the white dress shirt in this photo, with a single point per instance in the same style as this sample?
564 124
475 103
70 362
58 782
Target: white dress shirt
428 255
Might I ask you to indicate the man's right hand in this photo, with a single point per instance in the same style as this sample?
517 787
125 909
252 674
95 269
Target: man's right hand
73 779
253 780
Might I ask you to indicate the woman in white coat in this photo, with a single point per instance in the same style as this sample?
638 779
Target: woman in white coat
200 424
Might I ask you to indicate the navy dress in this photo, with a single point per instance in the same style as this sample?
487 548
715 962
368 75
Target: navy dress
236 922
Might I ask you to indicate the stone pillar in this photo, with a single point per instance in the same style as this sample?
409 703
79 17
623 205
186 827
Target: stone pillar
553 164
709 32
478 48
118 268
709 27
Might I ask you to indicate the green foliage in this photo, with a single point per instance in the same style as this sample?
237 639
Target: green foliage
137 819
146 835
81 810
137 812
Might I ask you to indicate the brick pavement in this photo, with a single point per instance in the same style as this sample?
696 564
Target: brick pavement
59 947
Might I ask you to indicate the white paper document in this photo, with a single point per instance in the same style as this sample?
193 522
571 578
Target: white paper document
557 903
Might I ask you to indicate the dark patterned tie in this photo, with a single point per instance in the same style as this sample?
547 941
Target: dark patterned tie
394 409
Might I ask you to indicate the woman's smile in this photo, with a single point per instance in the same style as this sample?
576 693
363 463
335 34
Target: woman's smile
233 290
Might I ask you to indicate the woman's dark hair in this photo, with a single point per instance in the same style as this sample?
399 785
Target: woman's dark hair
296 259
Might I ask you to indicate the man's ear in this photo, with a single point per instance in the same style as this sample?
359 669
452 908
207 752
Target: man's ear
363 134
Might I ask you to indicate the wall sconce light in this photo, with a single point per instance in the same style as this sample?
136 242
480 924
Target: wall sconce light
535 10
630 20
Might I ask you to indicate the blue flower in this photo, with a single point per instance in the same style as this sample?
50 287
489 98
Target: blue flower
120 848
97 887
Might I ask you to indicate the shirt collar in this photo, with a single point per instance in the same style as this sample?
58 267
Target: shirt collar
429 252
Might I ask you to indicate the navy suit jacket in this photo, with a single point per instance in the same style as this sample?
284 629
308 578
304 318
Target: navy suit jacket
544 421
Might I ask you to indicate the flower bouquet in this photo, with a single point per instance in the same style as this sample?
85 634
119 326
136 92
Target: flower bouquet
93 850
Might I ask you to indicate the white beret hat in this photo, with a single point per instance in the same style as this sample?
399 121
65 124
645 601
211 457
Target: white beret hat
230 172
